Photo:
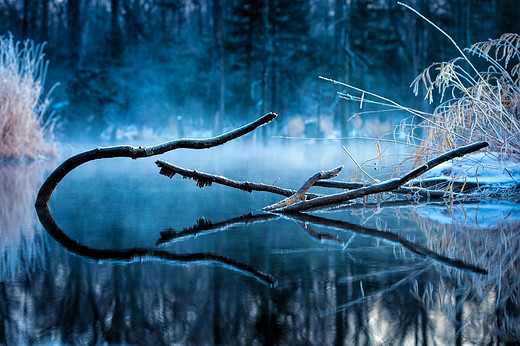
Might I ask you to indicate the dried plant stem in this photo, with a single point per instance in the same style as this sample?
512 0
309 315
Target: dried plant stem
139 152
358 165
412 111
442 31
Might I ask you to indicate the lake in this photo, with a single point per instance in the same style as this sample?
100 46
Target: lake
137 258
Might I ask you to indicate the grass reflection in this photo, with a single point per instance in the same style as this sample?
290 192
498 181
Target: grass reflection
476 303
21 244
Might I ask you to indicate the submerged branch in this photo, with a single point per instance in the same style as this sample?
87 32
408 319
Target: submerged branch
204 226
140 152
386 186
392 237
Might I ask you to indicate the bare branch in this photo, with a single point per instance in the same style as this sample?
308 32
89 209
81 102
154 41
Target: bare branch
206 179
423 192
139 152
385 186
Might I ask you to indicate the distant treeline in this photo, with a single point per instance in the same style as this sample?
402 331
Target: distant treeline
217 63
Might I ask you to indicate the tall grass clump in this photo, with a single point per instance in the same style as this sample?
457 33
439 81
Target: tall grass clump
23 134
475 105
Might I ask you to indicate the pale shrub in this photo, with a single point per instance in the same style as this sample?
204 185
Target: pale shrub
22 104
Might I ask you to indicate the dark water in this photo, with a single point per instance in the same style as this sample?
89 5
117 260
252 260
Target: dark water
400 272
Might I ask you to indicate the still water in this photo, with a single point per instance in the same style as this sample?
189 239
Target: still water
137 258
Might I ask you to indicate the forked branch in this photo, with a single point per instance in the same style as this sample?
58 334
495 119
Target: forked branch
301 193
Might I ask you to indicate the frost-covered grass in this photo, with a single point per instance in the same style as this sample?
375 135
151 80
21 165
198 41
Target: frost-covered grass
472 106
475 105
22 103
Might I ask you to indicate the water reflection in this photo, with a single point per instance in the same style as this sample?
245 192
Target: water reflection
344 277
21 244
485 235
143 254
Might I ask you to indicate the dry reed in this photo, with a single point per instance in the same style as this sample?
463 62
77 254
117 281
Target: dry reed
22 103
475 106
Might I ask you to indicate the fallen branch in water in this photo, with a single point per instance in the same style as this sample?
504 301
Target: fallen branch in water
139 152
386 186
422 192
301 200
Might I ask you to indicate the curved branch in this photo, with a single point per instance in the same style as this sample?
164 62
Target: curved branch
139 152
142 254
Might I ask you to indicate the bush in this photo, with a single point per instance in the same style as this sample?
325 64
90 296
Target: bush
22 104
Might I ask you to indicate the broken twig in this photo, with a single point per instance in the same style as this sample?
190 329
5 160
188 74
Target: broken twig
301 193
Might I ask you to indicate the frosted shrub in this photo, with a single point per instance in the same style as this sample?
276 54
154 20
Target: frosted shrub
22 104
476 106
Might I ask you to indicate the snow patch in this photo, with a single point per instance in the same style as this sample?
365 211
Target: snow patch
482 169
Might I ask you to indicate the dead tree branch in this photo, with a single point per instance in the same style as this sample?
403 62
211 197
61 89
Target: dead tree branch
386 186
426 193
206 179
139 152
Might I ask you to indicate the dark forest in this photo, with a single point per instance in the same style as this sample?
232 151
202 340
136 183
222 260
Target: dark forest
184 66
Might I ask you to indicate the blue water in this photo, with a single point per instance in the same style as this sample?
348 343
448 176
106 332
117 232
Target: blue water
257 280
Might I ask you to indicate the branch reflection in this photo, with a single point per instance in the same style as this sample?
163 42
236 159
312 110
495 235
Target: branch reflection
142 254
302 219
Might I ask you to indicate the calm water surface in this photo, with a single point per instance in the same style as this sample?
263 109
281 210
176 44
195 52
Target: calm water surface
206 272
